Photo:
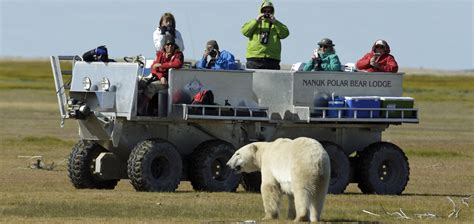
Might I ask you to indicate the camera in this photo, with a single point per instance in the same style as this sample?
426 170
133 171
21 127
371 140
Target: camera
266 16
213 53
165 29
264 37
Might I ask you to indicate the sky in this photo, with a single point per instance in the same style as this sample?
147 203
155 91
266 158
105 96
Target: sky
429 34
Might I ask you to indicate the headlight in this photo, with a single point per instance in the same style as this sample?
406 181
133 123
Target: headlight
71 102
105 84
86 83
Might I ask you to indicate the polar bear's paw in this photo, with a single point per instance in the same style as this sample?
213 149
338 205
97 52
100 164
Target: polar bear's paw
301 219
270 216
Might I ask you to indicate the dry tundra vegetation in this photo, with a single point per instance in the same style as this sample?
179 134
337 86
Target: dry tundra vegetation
440 151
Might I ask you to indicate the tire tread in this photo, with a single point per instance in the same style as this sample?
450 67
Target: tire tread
136 166
79 167
365 159
200 164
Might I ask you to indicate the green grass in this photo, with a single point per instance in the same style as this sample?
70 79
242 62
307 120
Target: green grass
437 154
440 88
440 151
27 75
131 205
39 142
31 75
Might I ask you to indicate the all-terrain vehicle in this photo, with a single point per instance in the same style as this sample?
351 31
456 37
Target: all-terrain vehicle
180 141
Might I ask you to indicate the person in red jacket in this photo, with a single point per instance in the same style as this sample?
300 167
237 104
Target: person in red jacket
168 57
379 59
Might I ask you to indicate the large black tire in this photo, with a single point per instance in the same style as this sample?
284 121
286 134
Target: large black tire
155 165
383 169
252 181
208 170
81 167
340 167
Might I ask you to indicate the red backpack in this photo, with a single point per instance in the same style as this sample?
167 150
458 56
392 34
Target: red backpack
204 97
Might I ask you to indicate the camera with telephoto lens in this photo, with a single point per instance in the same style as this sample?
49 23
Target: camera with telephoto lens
264 37
213 53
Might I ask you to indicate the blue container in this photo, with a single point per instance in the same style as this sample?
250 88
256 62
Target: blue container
320 100
337 102
362 102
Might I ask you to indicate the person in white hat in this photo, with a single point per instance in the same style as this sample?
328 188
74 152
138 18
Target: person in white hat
379 59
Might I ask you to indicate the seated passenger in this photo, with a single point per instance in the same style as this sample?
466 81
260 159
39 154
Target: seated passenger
217 59
167 27
324 58
379 59
169 57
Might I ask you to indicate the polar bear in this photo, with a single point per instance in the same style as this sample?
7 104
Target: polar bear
299 168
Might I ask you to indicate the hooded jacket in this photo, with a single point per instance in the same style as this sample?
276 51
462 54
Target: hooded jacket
386 61
253 30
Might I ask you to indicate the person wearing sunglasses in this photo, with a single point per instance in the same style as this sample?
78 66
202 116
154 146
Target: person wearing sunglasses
379 59
264 35
168 57
324 58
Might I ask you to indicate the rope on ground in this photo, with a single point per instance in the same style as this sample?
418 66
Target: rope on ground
37 162
370 213
465 199
454 213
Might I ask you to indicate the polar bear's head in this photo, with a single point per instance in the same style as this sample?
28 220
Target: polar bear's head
244 159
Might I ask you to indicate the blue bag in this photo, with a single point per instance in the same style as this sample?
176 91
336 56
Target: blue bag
97 54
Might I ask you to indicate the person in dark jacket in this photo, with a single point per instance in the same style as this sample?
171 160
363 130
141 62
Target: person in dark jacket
324 58
264 34
379 59
217 59
168 57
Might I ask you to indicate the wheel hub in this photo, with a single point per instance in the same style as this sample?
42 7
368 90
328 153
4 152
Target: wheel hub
219 169
334 171
385 171
160 168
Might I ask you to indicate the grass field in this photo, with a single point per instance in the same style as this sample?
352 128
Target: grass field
440 151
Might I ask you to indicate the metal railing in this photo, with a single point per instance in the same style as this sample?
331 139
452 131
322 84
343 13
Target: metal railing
215 112
315 114
61 87
382 115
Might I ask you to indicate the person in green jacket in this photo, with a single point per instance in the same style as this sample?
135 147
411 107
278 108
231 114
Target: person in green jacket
264 33
324 58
